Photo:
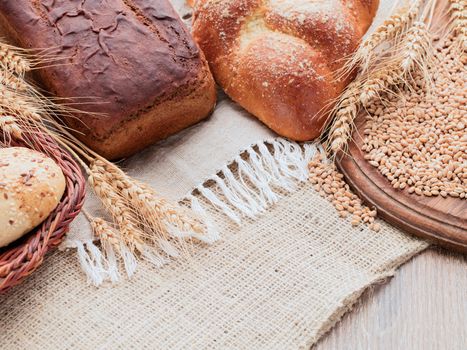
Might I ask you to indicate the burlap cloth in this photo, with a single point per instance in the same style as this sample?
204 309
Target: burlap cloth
276 281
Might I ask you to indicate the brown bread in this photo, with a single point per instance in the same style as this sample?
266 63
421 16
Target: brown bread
130 61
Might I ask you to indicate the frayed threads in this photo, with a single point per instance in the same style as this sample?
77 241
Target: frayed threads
255 180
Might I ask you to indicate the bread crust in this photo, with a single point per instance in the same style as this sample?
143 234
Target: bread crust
31 186
159 121
278 58
130 66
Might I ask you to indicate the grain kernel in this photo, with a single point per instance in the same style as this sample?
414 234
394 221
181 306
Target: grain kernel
421 143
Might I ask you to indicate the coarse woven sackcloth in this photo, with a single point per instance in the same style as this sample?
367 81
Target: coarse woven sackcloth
276 280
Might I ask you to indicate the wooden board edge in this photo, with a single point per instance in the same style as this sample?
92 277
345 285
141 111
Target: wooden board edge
381 200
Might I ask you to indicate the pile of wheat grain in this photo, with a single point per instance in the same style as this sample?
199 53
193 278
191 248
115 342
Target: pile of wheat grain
417 138
417 114
330 184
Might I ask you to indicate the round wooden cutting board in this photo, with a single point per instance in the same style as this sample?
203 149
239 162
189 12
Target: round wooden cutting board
441 220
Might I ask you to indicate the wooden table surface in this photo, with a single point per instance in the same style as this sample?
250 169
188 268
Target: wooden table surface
423 307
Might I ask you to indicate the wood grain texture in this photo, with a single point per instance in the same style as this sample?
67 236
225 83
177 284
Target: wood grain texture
442 220
424 307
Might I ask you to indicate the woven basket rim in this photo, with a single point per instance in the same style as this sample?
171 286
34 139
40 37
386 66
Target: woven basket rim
22 257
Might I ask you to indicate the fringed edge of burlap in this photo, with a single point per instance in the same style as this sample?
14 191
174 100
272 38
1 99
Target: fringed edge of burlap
254 181
242 189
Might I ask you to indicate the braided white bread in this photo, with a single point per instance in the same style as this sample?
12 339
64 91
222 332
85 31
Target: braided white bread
278 58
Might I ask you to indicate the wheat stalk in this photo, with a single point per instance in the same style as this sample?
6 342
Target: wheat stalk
13 60
160 218
344 114
10 127
389 31
12 82
413 53
19 105
458 10
143 224
115 204
113 246
417 48
416 54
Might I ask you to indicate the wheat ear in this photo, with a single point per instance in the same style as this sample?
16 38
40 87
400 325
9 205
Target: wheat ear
114 204
114 249
164 220
159 213
12 82
13 60
417 48
142 235
18 104
104 231
9 127
144 224
344 114
458 10
414 52
389 31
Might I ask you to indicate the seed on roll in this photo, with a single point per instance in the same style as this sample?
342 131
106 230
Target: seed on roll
31 187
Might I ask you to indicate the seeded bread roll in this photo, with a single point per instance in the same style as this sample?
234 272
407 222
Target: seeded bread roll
31 186
130 61
278 58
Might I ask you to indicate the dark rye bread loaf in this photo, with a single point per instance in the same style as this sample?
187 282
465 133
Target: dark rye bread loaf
131 61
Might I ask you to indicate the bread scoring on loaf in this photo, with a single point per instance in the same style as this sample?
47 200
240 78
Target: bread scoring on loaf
279 58
31 186
131 63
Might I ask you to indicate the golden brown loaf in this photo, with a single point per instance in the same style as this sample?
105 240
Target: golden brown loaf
132 59
278 58
31 186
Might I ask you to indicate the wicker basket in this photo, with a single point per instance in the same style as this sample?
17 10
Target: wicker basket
21 258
